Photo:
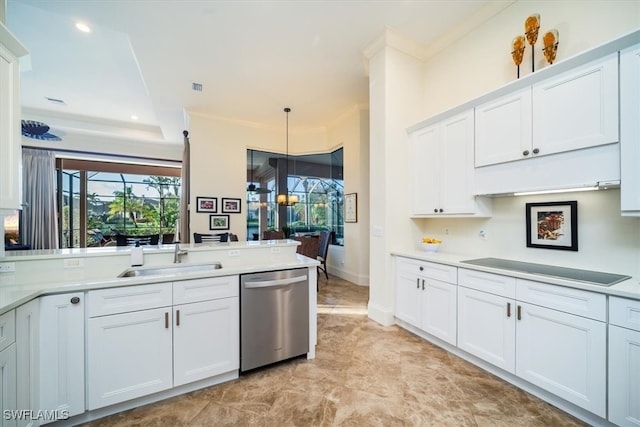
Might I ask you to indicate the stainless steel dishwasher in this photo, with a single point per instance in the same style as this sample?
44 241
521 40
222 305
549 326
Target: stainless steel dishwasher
274 317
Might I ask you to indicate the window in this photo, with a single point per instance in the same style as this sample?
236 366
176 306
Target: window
98 200
315 179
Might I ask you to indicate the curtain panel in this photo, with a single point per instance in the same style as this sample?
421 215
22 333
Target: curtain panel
40 215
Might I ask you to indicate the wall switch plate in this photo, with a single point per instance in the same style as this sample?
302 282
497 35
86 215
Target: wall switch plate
377 231
7 267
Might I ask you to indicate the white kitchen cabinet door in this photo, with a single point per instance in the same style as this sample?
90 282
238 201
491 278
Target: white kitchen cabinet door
439 310
577 109
62 379
563 354
10 148
624 376
457 170
8 386
128 355
630 131
425 162
206 339
408 293
28 353
487 328
442 169
503 129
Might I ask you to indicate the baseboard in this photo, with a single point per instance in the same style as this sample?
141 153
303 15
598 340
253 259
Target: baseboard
382 315
361 280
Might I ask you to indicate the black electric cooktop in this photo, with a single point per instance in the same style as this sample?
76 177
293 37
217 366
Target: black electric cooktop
587 276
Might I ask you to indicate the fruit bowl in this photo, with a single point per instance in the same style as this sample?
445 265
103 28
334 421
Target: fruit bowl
430 247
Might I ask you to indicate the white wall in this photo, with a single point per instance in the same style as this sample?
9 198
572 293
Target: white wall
218 169
475 64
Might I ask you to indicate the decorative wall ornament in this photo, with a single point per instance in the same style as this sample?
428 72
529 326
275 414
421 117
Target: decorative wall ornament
550 42
517 52
531 28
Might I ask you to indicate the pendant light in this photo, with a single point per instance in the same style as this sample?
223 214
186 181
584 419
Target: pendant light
251 188
286 199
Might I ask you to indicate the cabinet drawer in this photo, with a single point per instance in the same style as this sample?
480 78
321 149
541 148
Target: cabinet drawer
7 329
205 289
574 301
488 282
624 312
130 298
433 270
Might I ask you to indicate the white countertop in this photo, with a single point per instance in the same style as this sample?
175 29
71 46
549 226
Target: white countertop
16 293
629 288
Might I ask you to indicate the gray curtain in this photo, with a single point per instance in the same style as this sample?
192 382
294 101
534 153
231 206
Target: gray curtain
40 215
184 198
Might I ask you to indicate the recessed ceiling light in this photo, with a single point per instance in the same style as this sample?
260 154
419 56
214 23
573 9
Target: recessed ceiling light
83 27
134 117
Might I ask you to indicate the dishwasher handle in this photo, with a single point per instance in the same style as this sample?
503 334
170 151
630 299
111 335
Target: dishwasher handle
276 282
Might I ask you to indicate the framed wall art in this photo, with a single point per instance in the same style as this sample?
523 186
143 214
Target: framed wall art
351 207
207 204
231 205
218 222
552 225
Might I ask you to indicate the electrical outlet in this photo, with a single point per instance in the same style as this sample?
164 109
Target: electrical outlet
234 252
483 234
73 263
446 231
7 267
275 250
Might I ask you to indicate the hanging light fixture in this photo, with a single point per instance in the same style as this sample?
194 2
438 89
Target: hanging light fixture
251 188
286 199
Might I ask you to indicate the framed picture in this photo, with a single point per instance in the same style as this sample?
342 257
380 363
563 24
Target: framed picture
207 204
218 222
351 207
231 205
552 225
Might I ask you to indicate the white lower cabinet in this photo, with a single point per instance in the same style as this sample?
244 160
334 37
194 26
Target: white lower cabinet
28 353
199 330
129 355
8 370
564 354
156 344
487 327
62 368
560 347
624 361
426 297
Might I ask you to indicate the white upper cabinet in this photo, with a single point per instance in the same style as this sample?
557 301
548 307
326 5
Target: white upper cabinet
10 145
503 129
441 158
573 110
577 109
630 131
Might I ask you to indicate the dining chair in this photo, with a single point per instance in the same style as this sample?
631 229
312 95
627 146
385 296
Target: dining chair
323 250
208 238
273 235
129 240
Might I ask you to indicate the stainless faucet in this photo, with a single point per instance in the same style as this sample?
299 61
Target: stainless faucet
178 253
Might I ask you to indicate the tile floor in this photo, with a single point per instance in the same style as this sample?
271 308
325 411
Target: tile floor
364 374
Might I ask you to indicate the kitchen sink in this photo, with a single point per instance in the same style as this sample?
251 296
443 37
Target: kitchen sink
169 270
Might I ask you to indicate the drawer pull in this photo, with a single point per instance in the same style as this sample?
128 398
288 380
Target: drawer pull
166 320
508 309
177 317
423 284
75 300
418 283
519 315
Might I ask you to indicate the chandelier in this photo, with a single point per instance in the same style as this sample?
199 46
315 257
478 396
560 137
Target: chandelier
286 199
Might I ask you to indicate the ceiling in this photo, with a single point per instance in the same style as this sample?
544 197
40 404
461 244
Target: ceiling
252 58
